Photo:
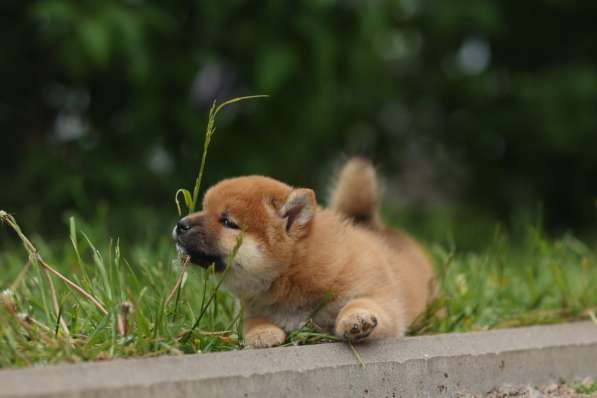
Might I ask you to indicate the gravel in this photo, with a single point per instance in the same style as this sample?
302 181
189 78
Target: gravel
562 390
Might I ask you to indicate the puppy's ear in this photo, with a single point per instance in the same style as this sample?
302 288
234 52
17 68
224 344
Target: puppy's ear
298 211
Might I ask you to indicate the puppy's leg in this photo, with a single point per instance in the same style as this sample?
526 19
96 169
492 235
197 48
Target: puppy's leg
365 317
260 333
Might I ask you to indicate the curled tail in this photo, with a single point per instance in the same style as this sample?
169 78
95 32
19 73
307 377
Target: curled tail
356 193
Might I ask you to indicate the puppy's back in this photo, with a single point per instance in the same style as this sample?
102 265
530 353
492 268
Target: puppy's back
414 270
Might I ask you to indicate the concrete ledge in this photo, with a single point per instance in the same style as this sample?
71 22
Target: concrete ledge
432 366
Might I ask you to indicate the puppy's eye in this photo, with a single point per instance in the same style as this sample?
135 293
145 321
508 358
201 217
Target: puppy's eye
225 221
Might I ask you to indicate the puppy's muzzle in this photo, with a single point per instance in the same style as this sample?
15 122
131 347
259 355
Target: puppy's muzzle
192 239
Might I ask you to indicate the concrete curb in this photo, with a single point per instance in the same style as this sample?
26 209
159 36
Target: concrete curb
428 366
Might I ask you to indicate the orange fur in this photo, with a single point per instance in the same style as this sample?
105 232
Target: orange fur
295 253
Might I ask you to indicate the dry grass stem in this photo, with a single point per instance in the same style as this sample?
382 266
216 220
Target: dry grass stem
185 264
55 303
34 256
123 318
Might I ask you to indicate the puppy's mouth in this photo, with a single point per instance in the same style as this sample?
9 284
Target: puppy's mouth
202 259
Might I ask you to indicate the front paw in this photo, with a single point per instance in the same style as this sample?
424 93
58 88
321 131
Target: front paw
265 336
356 325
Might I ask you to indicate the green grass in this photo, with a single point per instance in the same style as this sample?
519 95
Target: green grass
533 280
585 389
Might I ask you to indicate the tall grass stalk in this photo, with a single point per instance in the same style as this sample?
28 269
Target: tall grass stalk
191 199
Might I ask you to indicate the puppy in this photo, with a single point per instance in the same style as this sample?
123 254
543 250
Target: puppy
294 253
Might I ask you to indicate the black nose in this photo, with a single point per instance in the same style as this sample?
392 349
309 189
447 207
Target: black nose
183 225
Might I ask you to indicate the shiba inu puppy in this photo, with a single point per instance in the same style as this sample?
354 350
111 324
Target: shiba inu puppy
294 253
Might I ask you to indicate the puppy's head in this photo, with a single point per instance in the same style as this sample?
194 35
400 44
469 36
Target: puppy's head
273 218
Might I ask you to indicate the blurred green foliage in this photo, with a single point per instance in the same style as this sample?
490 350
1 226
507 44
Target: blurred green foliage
489 107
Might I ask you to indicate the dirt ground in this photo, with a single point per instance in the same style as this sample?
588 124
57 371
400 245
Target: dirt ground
548 391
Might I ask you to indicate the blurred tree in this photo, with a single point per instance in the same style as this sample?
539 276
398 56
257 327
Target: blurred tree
488 104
